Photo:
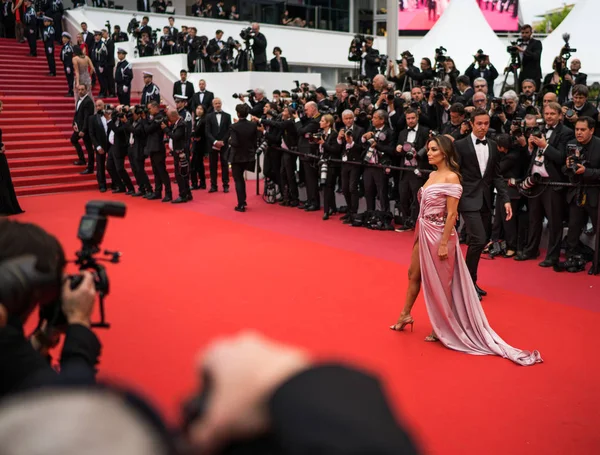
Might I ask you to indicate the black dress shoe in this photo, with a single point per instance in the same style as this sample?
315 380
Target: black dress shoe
189 197
203 186
167 198
225 189
86 172
238 208
130 193
524 257
138 194
293 203
480 291
179 200
118 190
325 216
102 190
311 208
79 163
154 196
547 263
212 190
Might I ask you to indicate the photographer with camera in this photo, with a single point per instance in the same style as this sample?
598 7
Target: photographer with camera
579 107
361 50
197 54
530 55
329 148
546 156
410 153
259 46
176 131
155 149
484 69
118 139
504 110
582 166
349 138
458 125
31 276
513 154
272 137
137 142
305 128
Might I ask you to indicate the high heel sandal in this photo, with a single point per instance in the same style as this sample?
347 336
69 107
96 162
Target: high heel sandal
432 338
399 326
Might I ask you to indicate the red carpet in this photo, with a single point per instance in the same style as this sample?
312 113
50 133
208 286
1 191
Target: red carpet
191 273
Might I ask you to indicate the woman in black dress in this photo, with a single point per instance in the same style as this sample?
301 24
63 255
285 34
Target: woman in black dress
8 199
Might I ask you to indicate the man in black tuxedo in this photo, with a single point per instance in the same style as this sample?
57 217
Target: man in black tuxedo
183 87
546 158
305 128
98 131
480 169
217 137
408 182
88 37
367 57
579 107
379 149
143 6
350 139
259 47
155 149
585 172
530 52
243 136
83 109
279 64
118 138
202 97
178 143
110 63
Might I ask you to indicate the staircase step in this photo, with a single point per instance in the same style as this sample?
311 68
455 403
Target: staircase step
45 144
64 160
65 128
16 112
40 121
32 135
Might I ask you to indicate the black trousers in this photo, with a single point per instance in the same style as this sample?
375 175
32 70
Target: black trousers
124 97
50 59
311 178
272 166
138 165
214 157
183 181
551 204
110 79
476 224
374 181
89 147
350 179
329 191
237 171
260 66
408 188
70 73
31 34
578 217
161 176
117 163
198 171
510 228
289 187
101 170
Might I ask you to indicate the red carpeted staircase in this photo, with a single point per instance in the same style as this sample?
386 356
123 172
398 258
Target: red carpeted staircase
37 124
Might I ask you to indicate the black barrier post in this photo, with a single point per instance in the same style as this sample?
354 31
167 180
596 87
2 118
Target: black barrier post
257 176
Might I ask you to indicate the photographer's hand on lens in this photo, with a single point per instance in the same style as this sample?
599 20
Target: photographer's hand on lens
244 372
509 213
78 303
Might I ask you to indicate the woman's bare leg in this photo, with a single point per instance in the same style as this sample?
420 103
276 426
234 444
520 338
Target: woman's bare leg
414 287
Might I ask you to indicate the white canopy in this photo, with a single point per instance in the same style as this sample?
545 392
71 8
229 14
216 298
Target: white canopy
462 30
580 24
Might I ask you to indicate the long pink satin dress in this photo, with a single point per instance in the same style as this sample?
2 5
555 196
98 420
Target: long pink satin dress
452 303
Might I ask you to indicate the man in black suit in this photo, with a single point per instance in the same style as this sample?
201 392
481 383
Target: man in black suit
530 52
367 57
410 140
83 109
279 64
479 166
350 139
587 171
183 87
118 138
110 63
202 97
143 5
463 84
259 47
88 37
243 136
546 158
379 149
305 128
178 143
155 149
575 76
98 131
217 137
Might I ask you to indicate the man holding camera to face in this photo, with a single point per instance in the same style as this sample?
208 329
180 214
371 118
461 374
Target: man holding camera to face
27 250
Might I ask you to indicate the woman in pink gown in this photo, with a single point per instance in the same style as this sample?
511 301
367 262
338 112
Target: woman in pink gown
452 303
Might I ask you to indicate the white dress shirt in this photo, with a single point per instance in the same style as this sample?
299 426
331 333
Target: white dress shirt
483 153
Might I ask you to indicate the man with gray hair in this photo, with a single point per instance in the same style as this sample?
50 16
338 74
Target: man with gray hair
305 128
259 48
349 138
379 150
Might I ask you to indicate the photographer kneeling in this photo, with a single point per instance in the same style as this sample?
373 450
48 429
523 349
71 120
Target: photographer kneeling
41 283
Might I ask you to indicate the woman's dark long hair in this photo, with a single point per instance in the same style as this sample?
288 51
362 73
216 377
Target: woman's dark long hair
77 51
447 147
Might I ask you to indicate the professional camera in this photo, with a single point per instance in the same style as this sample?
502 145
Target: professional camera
132 27
575 157
366 82
107 25
357 43
567 50
438 93
91 233
512 49
480 56
529 182
518 122
410 59
409 150
499 107
161 117
534 131
323 168
262 148
316 136
247 34
439 54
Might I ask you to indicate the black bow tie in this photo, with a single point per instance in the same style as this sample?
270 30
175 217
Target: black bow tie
479 141
411 129
550 128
